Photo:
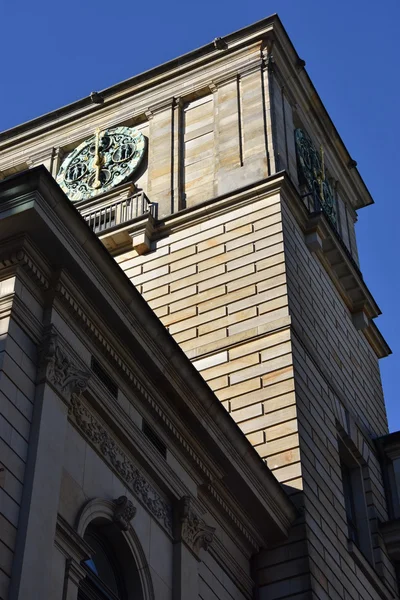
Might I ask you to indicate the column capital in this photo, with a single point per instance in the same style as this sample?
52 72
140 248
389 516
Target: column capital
192 530
58 367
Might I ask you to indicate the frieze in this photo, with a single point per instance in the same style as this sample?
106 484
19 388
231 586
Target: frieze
124 512
117 458
194 531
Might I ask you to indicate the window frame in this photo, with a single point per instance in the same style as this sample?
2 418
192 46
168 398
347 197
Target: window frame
355 504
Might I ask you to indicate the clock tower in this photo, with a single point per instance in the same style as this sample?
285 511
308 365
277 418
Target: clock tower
224 192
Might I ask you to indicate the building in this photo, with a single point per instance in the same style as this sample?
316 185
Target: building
217 185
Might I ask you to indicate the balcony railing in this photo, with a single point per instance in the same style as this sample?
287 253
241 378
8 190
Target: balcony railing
102 218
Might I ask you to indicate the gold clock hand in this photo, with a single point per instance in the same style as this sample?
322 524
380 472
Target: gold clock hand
97 161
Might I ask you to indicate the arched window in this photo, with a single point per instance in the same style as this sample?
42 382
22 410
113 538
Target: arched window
117 568
104 579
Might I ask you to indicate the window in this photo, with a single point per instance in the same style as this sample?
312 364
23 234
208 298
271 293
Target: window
116 567
347 481
352 472
104 579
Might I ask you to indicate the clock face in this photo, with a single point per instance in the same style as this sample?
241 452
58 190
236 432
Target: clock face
312 175
101 162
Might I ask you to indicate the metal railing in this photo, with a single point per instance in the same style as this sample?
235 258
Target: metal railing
120 212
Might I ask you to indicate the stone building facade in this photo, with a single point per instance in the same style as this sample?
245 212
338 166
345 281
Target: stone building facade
236 229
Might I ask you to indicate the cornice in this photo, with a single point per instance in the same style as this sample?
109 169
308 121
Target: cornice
160 107
21 252
220 205
192 61
139 446
133 106
134 439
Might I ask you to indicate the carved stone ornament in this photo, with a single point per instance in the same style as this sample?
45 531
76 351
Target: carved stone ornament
60 370
124 512
112 453
194 531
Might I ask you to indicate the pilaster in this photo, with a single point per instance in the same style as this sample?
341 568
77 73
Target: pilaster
228 150
160 176
192 534
59 377
253 114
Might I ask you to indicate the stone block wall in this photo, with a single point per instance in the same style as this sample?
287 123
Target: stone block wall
220 287
17 390
262 321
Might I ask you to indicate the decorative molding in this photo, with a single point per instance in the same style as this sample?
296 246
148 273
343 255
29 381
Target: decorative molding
74 549
124 512
59 369
112 453
194 531
70 542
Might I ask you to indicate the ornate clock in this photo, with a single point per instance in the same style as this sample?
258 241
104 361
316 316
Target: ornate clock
312 174
101 162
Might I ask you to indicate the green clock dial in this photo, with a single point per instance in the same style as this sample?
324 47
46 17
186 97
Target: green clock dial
101 162
312 174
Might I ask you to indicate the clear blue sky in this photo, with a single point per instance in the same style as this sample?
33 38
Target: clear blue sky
54 53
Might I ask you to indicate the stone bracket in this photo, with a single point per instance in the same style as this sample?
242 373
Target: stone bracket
141 234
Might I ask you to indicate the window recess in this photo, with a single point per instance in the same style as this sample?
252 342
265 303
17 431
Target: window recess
352 474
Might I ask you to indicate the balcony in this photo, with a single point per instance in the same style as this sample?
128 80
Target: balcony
121 218
104 217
